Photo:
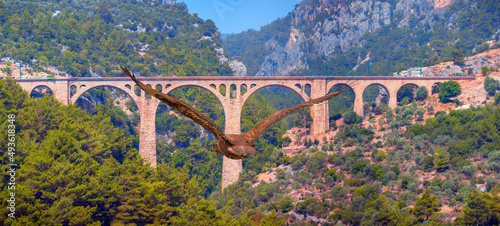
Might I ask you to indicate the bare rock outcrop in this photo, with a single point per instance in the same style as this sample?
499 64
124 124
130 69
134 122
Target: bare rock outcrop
238 67
475 63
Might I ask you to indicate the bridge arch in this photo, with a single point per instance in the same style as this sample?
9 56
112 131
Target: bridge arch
84 88
40 91
435 87
340 103
406 90
298 97
296 90
332 86
382 89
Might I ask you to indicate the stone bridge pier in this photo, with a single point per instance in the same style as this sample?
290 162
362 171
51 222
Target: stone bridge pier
231 168
147 128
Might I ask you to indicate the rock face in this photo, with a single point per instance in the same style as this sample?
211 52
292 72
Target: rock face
383 96
238 68
324 28
285 58
475 63
443 69
483 60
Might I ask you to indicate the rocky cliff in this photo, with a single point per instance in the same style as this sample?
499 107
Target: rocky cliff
323 30
337 27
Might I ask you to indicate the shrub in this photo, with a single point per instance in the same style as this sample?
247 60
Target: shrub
355 182
349 143
380 109
358 167
485 70
422 93
331 173
449 89
428 163
497 98
333 125
405 101
286 204
490 85
469 170
349 117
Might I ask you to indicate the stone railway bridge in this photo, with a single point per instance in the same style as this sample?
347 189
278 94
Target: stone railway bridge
232 104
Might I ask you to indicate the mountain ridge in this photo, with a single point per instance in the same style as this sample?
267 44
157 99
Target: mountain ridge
346 32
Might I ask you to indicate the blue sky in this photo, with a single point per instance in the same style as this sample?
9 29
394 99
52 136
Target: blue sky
233 16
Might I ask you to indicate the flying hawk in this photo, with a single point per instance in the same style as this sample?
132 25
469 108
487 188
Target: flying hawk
234 146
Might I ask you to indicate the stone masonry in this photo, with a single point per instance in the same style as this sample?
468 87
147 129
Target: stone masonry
232 104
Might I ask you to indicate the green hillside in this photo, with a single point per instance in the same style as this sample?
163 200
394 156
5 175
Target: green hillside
92 39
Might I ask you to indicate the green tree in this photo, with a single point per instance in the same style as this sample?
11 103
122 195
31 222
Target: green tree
396 170
104 12
331 173
476 209
491 85
428 163
317 162
420 113
422 93
209 28
449 89
349 117
286 204
272 219
485 70
425 206
458 56
405 92
199 211
441 160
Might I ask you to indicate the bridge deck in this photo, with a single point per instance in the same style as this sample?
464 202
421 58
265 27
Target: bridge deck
250 78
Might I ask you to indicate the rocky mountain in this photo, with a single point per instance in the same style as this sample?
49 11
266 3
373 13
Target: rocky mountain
364 36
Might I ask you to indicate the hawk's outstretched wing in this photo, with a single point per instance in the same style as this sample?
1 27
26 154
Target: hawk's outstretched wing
181 107
260 128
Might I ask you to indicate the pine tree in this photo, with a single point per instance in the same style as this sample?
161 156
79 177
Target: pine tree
426 206
441 160
477 209
458 56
